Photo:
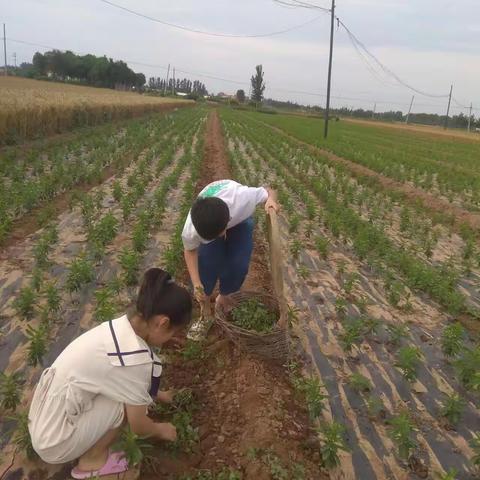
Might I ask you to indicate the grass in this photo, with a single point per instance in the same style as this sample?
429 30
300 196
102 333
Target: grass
253 315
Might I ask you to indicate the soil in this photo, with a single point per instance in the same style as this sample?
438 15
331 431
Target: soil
242 402
410 192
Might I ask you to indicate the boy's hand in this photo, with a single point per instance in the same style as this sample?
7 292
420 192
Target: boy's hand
166 431
199 294
270 203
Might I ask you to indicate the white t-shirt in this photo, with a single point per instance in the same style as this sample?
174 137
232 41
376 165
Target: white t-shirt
240 199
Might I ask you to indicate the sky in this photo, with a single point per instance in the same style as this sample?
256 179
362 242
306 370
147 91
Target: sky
428 44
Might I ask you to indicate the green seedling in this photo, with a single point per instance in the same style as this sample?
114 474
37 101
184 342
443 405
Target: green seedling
10 393
375 407
294 223
53 298
193 350
252 315
105 308
104 231
21 437
133 446
450 475
371 325
322 245
350 282
298 472
468 368
341 266
312 389
37 279
116 285
309 228
37 346
295 249
362 303
24 304
277 470
187 434
341 305
397 333
332 440
81 272
140 237
117 191
452 339
303 271
452 408
359 383
401 433
408 359
130 262
475 446
352 334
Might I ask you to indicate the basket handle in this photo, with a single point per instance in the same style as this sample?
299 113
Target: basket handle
276 264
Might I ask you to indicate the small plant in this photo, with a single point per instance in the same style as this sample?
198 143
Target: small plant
38 344
311 388
401 433
452 339
468 367
359 383
104 231
294 223
53 298
371 325
296 248
81 272
10 390
24 304
475 446
322 245
350 283
117 191
133 445
130 262
397 333
408 359
352 334
104 308
140 237
277 470
375 407
187 434
452 408
341 305
331 436
193 350
303 271
21 437
252 314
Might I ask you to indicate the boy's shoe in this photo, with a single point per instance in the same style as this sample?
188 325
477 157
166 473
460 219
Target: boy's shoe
199 329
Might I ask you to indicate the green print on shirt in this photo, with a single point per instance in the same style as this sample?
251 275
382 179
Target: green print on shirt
212 190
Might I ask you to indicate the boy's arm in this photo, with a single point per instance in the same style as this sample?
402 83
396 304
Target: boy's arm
191 259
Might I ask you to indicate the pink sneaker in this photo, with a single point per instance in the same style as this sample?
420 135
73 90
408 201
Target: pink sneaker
116 463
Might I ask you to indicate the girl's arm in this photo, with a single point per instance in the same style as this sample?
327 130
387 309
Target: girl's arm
144 426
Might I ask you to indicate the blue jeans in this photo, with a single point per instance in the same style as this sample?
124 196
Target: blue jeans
227 259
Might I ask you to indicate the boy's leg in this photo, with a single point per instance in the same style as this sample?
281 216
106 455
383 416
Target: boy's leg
238 253
211 258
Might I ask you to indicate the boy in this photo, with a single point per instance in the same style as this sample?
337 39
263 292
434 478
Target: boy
218 237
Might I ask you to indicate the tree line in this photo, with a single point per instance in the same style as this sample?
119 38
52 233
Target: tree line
183 85
84 69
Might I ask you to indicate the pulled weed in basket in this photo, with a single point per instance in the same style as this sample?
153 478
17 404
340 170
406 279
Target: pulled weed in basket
252 314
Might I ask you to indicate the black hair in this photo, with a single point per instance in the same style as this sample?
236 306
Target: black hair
160 295
210 217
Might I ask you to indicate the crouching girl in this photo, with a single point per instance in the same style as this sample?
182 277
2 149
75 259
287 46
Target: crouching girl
106 378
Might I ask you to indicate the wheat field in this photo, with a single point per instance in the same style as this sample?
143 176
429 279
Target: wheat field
33 108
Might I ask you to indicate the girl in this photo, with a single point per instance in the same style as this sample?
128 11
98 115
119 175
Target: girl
106 378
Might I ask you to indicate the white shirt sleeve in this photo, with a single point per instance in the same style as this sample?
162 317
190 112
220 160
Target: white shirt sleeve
190 237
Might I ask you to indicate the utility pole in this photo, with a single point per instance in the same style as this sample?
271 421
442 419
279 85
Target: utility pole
5 50
329 83
448 108
374 110
470 118
15 59
166 83
410 110
174 81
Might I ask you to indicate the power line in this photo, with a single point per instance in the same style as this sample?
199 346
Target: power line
301 4
203 32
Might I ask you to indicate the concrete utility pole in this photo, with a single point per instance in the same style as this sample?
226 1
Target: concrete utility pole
15 59
5 50
410 110
470 118
329 83
173 80
166 83
374 110
448 108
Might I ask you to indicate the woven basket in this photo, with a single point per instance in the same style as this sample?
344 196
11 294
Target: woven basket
273 345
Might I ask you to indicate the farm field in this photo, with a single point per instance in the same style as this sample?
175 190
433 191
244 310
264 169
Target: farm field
34 108
444 166
384 378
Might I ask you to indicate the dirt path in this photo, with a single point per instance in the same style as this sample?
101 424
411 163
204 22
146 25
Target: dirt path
411 194
242 403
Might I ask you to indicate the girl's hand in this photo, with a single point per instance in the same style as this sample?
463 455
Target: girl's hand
166 396
166 431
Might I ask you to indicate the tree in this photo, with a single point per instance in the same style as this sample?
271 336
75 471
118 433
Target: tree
240 96
258 85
